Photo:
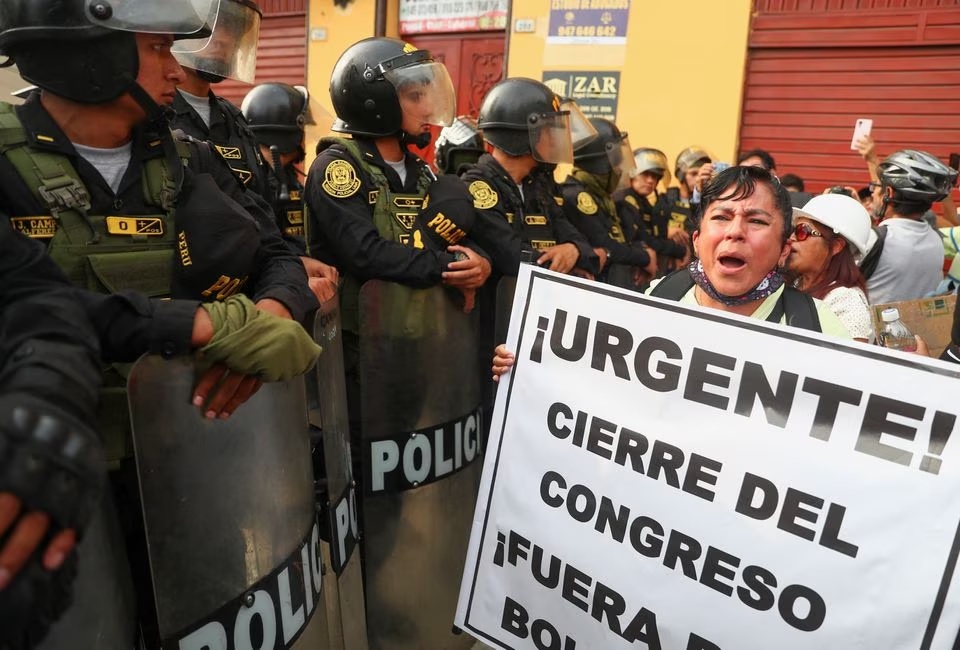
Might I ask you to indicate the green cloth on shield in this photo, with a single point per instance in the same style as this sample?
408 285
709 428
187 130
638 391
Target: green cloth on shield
252 342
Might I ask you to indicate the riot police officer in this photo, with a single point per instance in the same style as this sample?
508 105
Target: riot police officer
363 193
530 131
229 52
276 114
91 169
693 168
644 212
599 167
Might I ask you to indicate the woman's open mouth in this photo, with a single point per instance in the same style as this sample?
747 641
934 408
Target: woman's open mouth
731 262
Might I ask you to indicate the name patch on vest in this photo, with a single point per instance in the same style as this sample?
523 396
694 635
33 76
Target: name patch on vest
35 227
586 204
294 195
229 153
152 226
535 220
542 244
340 179
409 202
484 196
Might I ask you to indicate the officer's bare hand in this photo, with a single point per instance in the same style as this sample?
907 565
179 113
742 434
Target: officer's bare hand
602 254
503 360
560 258
678 235
470 273
220 392
274 307
25 534
704 175
469 299
317 269
322 288
652 265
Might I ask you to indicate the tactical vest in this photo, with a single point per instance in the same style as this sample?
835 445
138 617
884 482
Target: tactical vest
394 215
607 208
535 230
681 211
103 253
289 212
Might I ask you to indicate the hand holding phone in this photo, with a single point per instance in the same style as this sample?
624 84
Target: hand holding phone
861 129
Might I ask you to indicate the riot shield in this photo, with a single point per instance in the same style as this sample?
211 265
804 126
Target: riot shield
231 529
102 613
419 389
336 489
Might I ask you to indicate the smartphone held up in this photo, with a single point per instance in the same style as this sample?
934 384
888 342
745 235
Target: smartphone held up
861 129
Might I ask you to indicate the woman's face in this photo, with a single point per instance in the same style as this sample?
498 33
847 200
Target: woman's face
740 241
810 256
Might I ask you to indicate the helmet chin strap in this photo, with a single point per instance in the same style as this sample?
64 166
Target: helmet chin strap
156 114
420 140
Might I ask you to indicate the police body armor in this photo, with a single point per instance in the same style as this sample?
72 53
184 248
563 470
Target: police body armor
336 489
394 214
535 230
288 207
229 512
230 137
600 206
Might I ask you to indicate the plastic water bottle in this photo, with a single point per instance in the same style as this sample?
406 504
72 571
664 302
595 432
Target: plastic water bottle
894 334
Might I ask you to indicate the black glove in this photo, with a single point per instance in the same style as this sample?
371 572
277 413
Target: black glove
54 464
447 215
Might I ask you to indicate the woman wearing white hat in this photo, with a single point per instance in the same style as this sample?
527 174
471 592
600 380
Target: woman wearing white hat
831 235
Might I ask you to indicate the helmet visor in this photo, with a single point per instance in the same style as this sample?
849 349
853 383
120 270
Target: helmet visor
150 16
425 92
581 130
231 49
621 159
550 138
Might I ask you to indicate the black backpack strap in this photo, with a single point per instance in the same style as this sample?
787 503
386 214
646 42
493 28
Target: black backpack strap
799 308
674 286
869 262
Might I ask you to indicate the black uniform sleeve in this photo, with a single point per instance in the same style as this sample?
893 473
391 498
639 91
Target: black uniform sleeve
129 324
341 232
493 231
49 348
279 273
597 233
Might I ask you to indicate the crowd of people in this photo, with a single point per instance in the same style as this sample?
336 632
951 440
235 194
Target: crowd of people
186 228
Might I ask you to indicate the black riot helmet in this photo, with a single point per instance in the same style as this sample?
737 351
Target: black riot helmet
458 145
522 116
609 151
86 51
377 80
277 114
230 50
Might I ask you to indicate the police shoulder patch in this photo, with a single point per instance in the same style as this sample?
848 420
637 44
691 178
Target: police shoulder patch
632 201
586 204
340 179
484 197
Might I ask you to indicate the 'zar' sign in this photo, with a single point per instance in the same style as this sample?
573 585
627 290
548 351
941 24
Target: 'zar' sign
671 478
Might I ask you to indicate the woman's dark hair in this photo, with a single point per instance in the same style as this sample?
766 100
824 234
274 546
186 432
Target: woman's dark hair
841 271
742 183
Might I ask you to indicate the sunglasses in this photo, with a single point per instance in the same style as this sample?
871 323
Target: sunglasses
804 230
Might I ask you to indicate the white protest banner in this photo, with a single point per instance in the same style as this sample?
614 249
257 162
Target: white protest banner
665 477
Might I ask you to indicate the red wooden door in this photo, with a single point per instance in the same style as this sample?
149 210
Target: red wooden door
475 63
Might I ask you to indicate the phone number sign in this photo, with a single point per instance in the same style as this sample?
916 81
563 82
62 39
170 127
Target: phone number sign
593 22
